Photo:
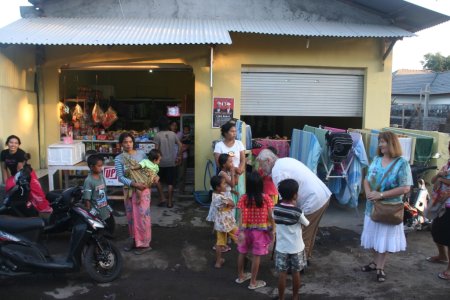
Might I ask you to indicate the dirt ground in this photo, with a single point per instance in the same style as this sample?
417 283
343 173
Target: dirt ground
180 266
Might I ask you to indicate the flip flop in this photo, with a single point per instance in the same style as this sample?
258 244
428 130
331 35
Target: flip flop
259 284
247 276
162 204
433 259
444 275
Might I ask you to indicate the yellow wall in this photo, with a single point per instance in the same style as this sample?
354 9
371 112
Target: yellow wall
247 49
17 99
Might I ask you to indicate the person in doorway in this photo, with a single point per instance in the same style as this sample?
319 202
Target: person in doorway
440 228
186 141
313 194
165 141
388 179
137 209
13 158
233 147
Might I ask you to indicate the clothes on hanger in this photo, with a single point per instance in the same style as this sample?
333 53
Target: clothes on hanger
306 148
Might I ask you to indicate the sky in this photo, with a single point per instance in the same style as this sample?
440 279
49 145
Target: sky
408 53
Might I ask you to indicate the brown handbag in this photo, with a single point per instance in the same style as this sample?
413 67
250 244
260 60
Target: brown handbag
387 212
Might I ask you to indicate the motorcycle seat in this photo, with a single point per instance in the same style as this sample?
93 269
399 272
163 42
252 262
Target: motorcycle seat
17 225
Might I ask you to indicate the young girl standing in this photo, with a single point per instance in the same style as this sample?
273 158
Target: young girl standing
255 228
224 221
228 173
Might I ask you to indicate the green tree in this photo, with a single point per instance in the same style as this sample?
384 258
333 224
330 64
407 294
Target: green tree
436 62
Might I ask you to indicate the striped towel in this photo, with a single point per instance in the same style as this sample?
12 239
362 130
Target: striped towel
305 147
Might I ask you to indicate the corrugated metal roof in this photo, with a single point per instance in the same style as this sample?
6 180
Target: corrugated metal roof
411 84
402 14
113 31
304 28
121 31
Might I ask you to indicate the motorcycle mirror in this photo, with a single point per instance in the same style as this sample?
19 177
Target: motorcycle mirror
436 155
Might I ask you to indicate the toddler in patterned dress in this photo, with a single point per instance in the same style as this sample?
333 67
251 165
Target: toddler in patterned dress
224 221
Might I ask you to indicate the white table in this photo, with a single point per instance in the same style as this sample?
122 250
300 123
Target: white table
109 173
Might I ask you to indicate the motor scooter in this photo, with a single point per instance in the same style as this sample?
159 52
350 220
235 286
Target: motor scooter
20 252
416 202
17 204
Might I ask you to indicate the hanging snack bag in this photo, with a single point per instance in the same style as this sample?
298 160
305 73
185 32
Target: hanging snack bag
77 113
109 117
97 113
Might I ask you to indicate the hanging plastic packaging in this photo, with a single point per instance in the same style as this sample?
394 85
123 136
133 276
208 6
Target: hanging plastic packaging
77 113
97 113
109 117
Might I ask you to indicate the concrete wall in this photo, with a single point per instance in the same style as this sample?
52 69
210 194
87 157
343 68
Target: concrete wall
312 10
18 104
247 49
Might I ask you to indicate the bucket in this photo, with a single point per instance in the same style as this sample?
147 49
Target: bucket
203 197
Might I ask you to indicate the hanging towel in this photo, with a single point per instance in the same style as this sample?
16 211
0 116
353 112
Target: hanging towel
406 144
239 130
320 134
373 146
305 147
248 141
332 129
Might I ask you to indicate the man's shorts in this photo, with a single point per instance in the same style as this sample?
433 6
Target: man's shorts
256 241
167 175
296 262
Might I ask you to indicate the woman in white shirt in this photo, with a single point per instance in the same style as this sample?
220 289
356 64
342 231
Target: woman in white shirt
234 148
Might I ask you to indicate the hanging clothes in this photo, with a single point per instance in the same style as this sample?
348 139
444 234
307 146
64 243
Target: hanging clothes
305 148
347 190
406 144
332 129
248 135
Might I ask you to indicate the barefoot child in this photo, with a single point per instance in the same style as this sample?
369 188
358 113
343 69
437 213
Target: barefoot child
94 190
289 249
145 171
255 228
224 222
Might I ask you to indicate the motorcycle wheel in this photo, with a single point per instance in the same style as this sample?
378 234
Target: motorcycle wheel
103 265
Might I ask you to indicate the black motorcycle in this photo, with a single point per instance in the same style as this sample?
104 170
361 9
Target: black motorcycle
16 204
21 254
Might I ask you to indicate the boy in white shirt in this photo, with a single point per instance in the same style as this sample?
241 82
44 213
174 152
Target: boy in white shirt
289 249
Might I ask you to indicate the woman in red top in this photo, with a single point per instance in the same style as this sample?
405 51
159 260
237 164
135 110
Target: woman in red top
255 228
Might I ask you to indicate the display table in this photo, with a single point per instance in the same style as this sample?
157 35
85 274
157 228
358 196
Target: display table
109 172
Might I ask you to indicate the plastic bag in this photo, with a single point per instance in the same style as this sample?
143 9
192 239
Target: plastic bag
109 117
97 113
77 113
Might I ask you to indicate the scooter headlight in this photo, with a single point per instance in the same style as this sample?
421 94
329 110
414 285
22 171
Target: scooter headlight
95 224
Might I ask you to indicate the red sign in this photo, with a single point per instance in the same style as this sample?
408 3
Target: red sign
110 174
222 111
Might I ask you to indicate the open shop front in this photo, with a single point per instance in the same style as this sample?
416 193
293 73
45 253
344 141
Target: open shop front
97 104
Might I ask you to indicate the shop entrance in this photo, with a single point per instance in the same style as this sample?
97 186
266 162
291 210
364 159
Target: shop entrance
97 105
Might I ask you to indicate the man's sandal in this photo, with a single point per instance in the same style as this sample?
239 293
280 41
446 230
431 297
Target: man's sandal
370 267
381 276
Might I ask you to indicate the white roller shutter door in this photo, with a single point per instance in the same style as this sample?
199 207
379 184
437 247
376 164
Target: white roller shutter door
286 91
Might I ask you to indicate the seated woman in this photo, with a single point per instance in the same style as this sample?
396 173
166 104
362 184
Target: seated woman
14 160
